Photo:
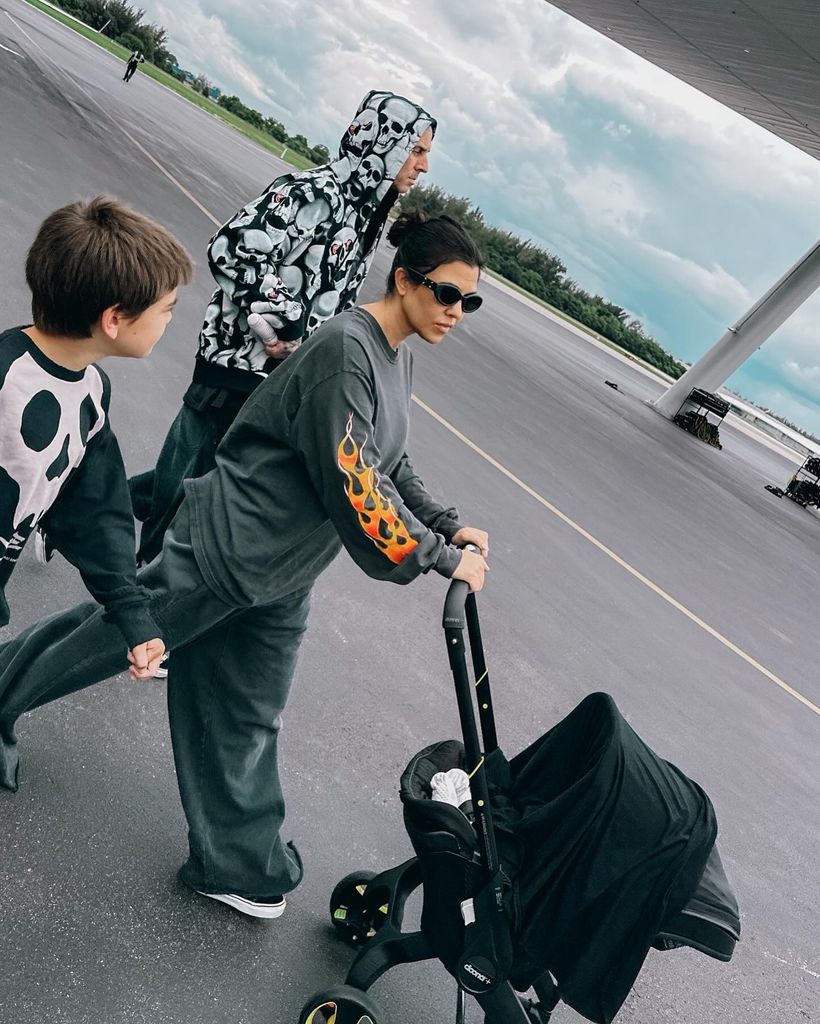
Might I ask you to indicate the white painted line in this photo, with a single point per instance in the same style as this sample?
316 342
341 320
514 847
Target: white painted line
9 50
620 561
788 963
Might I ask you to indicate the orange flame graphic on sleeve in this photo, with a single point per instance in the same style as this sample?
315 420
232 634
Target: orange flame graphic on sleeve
377 514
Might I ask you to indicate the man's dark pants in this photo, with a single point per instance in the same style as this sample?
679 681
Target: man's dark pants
229 679
187 452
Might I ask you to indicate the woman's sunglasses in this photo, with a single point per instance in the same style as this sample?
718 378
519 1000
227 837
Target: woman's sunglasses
447 294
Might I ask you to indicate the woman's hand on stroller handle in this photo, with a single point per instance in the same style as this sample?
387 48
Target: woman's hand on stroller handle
473 539
471 569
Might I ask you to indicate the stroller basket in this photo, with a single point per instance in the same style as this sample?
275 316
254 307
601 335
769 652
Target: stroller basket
575 858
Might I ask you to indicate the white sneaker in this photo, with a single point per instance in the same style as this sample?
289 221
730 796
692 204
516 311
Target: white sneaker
267 909
43 551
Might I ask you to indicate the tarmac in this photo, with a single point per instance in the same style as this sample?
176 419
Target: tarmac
626 556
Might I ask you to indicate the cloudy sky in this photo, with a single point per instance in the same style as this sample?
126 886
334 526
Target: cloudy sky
652 194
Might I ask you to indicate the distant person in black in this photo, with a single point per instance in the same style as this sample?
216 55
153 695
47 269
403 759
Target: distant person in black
134 62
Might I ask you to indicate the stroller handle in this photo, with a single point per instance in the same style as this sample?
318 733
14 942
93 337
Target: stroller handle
454 603
460 616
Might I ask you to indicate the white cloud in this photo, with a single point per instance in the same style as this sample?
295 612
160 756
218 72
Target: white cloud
711 284
674 111
793 352
609 199
617 131
807 377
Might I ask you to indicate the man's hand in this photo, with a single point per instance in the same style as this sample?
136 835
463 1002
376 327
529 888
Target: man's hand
266 333
471 569
279 349
470 535
145 659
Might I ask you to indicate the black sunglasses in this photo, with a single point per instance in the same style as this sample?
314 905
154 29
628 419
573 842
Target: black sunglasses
448 294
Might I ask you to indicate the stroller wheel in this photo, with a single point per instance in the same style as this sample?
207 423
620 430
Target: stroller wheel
351 909
341 1005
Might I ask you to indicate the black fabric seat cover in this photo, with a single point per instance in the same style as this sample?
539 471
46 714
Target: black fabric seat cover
603 840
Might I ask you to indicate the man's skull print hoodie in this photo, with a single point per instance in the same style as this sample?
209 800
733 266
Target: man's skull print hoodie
300 252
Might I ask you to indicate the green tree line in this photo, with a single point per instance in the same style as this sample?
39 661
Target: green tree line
274 128
122 22
541 273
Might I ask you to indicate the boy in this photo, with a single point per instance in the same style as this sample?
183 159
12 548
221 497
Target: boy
103 281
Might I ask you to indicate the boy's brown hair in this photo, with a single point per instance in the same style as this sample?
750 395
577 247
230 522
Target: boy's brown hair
98 253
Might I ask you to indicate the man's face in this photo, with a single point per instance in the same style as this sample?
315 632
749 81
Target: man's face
416 164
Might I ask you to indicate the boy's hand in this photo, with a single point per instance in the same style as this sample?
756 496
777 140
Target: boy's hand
145 659
470 535
471 569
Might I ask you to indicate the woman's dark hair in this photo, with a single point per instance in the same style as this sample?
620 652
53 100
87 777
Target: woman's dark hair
424 244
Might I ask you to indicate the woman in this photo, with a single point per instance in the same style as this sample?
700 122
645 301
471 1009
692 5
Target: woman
315 461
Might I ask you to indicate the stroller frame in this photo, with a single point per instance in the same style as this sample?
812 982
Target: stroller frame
368 910
386 894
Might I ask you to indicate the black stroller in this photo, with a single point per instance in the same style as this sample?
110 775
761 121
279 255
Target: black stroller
568 863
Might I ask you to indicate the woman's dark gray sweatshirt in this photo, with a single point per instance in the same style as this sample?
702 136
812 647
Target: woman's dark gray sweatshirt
316 460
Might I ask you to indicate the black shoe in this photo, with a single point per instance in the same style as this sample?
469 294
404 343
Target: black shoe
268 909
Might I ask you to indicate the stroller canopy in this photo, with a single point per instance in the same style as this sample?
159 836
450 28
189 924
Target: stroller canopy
603 842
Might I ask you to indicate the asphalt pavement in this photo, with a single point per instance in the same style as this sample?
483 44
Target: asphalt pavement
626 556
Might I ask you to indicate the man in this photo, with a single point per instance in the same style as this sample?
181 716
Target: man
133 63
287 262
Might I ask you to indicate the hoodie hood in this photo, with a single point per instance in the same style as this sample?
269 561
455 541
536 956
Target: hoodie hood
376 144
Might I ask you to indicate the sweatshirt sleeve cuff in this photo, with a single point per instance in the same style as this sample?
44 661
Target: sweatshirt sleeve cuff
136 625
447 561
448 528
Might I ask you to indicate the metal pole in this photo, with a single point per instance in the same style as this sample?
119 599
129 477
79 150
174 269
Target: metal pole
748 334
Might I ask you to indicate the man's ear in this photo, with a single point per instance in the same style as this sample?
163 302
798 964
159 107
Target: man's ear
111 320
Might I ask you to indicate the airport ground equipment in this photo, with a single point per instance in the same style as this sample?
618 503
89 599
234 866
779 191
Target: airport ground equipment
694 415
804 486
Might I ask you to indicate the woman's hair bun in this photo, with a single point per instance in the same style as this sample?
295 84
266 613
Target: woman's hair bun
405 224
